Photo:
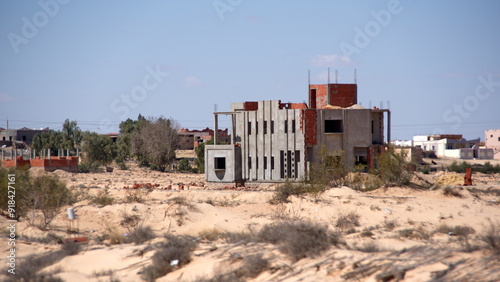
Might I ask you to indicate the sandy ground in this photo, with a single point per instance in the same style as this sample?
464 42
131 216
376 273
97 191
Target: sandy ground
396 236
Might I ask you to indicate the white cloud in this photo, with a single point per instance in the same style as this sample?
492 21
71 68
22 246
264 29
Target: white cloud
191 81
330 60
6 98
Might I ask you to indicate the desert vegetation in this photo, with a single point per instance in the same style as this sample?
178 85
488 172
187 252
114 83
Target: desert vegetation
162 225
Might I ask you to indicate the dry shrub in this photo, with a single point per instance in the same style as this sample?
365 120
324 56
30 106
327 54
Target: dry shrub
363 181
366 233
283 192
466 245
369 247
450 192
130 221
183 202
253 265
390 224
458 230
46 194
299 239
103 198
29 267
48 239
176 252
115 237
211 235
491 236
136 196
140 235
229 237
282 212
412 233
347 221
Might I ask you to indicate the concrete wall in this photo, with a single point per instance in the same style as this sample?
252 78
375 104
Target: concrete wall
377 127
356 137
272 141
232 156
486 154
452 153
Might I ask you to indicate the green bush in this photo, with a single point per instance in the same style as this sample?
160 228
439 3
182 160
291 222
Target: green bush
184 165
200 157
20 186
488 168
458 167
86 167
393 168
98 149
46 194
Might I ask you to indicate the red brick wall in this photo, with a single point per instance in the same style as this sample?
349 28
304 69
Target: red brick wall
308 126
342 95
251 106
68 164
18 162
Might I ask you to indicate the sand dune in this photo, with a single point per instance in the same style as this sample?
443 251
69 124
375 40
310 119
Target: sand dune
396 237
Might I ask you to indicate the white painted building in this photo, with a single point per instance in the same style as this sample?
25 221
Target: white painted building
451 145
492 141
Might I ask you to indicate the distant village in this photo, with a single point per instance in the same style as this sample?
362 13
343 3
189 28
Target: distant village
274 141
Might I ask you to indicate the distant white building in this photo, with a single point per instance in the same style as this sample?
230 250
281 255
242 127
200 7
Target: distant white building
450 145
492 141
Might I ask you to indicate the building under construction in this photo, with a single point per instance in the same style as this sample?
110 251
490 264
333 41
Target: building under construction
275 141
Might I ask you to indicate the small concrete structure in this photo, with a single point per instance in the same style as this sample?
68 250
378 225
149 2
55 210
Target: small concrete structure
275 141
189 139
9 136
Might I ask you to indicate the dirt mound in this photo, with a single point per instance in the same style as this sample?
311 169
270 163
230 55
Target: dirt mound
450 178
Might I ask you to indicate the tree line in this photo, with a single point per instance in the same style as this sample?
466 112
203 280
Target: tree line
150 141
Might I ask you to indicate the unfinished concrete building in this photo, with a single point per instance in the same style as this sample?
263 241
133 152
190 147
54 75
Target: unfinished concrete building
274 141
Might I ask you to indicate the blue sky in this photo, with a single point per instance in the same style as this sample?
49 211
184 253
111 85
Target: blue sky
100 62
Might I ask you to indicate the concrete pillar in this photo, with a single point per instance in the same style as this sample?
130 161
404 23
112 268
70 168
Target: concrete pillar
388 126
216 127
232 129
